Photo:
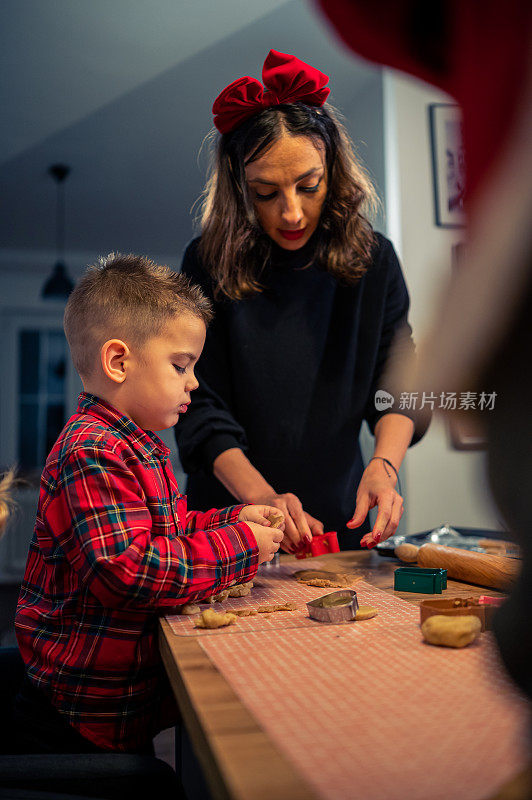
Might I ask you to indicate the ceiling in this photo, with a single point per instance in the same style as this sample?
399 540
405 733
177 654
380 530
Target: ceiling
122 91
63 60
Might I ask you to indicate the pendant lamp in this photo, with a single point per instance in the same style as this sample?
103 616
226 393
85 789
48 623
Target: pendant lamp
58 286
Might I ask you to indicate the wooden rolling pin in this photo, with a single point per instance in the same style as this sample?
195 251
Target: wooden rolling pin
496 572
500 547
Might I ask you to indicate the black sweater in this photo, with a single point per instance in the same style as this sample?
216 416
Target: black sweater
288 376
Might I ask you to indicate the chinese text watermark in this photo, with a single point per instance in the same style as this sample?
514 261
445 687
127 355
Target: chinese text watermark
446 401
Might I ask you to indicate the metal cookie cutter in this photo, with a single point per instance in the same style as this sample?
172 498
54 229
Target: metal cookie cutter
340 606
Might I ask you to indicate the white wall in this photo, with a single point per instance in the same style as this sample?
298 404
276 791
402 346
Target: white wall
442 484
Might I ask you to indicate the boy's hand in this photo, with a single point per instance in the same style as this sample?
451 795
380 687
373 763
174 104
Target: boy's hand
259 514
300 526
268 539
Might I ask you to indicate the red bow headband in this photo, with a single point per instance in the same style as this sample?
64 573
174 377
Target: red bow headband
287 80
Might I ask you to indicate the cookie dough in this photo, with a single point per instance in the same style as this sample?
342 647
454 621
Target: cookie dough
189 608
365 612
324 579
276 520
241 590
465 602
277 607
321 583
451 631
324 584
221 597
243 612
212 619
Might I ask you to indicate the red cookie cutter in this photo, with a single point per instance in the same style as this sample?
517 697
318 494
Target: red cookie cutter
486 600
321 544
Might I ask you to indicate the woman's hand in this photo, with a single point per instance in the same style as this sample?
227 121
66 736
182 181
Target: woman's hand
376 488
299 526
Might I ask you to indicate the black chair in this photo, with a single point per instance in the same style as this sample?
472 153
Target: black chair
84 776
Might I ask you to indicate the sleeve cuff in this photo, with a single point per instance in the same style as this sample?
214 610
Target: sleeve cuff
218 444
421 420
244 567
233 512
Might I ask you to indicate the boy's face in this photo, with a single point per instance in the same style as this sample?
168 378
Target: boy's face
160 378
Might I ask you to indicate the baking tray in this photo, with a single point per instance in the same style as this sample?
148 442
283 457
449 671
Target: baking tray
447 535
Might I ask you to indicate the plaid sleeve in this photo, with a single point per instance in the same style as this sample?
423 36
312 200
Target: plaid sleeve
214 518
99 519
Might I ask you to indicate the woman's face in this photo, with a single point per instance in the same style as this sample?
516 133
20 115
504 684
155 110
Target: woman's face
288 185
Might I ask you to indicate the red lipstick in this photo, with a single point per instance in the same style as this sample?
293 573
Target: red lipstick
292 235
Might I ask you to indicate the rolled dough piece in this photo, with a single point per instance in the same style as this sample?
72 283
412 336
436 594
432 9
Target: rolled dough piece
239 591
322 583
189 608
221 597
277 607
243 612
335 578
465 602
213 619
325 584
276 520
451 631
365 612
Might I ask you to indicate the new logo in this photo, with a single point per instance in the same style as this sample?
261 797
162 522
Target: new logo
383 400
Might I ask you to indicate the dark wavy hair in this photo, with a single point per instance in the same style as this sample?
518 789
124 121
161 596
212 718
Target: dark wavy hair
234 247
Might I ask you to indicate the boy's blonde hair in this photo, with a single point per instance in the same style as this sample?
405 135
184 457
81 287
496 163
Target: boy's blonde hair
126 297
7 504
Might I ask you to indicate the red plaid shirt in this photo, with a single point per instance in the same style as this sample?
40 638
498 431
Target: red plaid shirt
114 548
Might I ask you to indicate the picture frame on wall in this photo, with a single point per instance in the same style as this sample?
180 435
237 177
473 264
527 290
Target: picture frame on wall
448 164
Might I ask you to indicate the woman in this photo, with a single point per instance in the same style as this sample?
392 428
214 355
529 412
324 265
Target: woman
308 299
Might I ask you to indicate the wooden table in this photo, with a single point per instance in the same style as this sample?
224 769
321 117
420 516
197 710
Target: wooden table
238 759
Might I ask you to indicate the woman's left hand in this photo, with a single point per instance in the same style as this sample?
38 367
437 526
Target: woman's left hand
376 488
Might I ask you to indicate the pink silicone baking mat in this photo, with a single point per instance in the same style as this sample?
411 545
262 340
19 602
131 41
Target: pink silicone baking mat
368 711
276 585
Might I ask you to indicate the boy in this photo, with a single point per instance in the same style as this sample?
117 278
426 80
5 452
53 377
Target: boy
114 546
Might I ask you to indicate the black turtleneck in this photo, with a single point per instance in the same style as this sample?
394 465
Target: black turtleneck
288 375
